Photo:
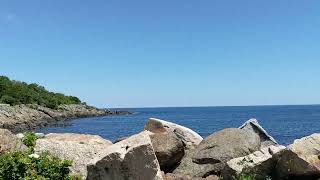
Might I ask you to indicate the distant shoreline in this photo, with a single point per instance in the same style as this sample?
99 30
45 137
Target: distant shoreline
21 118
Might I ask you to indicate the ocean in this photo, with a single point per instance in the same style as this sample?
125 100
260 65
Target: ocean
284 123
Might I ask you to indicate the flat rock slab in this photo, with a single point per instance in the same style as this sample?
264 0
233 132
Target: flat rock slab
130 159
79 148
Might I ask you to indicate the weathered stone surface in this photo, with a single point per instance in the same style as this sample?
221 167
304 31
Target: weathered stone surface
168 148
211 155
188 167
252 126
9 142
129 159
224 145
211 177
120 139
170 176
79 148
187 135
27 117
301 160
261 164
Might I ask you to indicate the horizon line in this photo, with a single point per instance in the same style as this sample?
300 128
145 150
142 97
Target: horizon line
259 105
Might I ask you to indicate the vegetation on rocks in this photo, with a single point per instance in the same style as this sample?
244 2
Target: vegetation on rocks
16 92
26 165
29 139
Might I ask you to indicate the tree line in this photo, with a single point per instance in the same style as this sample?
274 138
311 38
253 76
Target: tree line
16 92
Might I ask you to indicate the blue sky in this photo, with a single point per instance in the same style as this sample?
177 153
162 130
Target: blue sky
165 53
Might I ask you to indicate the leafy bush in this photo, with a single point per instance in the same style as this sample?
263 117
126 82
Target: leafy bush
245 176
29 139
20 165
26 165
7 99
16 92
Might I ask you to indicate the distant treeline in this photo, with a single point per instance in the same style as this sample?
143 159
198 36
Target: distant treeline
16 92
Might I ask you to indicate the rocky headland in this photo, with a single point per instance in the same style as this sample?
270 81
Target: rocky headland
168 151
21 118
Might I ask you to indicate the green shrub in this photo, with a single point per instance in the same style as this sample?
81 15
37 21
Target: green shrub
20 165
7 99
29 139
245 176
28 166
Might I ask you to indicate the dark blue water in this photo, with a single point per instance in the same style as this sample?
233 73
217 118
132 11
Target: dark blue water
284 123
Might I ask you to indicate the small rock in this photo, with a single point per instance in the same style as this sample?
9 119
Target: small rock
20 136
40 135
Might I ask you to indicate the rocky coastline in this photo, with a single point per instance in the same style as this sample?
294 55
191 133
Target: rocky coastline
21 118
168 151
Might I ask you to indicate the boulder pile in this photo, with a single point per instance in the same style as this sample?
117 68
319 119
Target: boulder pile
168 151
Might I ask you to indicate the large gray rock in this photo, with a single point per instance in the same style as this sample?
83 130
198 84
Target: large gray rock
9 142
79 148
261 164
224 145
301 160
130 159
168 148
211 155
187 135
252 126
189 168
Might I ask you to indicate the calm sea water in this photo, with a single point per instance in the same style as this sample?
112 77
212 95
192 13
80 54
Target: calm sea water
284 123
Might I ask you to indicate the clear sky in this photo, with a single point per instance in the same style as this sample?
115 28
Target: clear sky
144 53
